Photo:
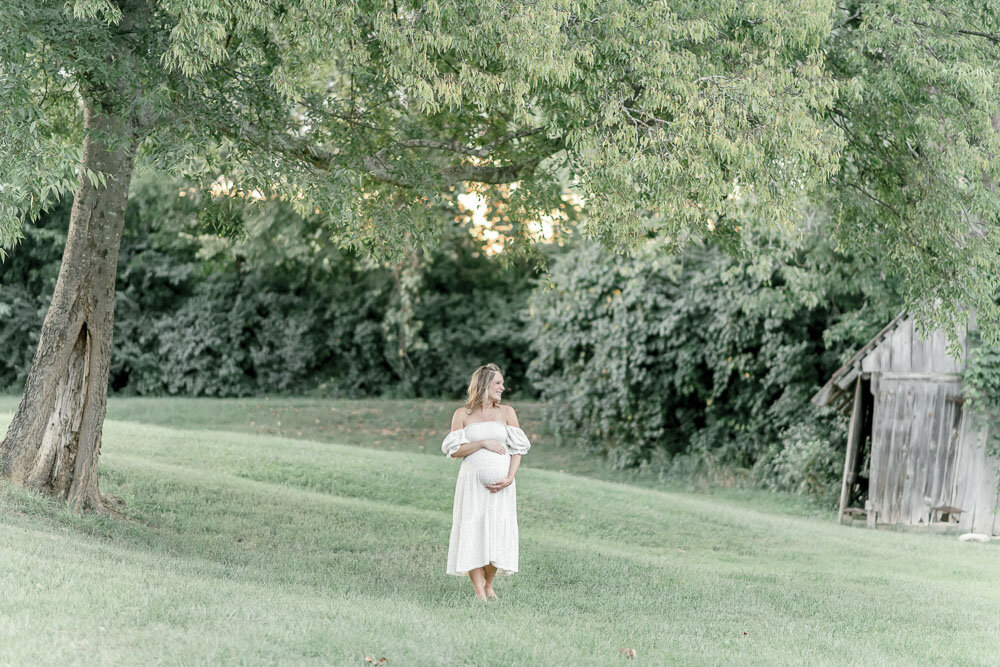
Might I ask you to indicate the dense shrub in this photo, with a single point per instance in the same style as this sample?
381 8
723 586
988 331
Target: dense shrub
285 310
702 359
26 285
694 363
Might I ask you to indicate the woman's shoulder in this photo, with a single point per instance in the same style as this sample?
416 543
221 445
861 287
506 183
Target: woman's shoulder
459 418
508 414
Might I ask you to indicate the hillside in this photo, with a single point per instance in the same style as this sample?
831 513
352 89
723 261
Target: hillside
246 547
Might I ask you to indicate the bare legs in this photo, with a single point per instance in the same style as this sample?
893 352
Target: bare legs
482 581
490 571
478 582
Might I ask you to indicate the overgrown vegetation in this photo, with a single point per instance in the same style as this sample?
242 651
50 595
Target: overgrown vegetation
287 310
694 364
981 386
700 363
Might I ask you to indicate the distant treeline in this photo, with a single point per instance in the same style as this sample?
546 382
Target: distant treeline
286 311
692 362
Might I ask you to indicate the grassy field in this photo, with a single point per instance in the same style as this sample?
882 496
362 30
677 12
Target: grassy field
249 547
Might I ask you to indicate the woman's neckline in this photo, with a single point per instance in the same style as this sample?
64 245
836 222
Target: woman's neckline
488 421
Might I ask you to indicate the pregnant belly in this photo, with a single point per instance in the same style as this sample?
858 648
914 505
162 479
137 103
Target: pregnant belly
487 466
491 475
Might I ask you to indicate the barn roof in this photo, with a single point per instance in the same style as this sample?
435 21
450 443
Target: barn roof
833 390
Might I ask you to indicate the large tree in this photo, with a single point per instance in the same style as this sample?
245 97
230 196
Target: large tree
707 116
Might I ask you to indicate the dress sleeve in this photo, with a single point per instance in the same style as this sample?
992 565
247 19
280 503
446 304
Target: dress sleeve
517 441
453 441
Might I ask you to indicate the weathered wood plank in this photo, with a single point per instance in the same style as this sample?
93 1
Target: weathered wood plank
929 376
884 406
966 471
898 443
925 444
868 364
853 437
941 480
914 422
901 347
942 362
991 506
872 362
925 406
921 352
984 496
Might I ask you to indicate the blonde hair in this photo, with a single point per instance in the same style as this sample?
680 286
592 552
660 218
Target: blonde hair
479 386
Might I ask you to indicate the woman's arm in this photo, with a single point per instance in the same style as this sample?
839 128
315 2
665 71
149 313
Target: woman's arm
468 448
510 417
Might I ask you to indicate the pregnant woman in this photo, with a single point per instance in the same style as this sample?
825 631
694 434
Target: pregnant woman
486 436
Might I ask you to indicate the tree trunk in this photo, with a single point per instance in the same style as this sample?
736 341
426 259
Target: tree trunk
53 443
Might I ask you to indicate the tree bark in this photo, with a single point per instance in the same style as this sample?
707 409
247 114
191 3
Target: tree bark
54 441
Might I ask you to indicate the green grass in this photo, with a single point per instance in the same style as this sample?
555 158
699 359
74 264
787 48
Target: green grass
245 547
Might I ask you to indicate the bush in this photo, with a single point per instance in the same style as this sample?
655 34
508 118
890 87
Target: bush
804 461
700 356
27 280
285 310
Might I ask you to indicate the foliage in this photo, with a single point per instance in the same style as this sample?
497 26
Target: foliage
915 191
981 386
672 120
279 308
803 461
378 114
27 279
700 354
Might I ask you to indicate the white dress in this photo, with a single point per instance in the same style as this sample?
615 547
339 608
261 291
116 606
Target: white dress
484 524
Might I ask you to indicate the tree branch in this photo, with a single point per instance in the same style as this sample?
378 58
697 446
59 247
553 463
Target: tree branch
379 168
483 152
875 199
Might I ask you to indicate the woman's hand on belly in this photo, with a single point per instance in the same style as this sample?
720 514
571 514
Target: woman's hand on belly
489 477
495 446
500 484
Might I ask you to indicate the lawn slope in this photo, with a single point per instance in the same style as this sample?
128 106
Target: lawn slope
242 547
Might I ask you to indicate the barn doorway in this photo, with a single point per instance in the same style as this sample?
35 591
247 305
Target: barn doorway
858 467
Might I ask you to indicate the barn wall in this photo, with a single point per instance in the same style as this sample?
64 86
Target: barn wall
914 448
905 351
927 453
976 481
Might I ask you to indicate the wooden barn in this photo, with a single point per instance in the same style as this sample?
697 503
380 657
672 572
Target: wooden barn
914 456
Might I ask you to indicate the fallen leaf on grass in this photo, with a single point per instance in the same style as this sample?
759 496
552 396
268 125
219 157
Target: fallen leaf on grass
628 653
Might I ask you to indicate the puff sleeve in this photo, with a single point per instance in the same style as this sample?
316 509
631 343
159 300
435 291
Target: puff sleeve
453 441
517 441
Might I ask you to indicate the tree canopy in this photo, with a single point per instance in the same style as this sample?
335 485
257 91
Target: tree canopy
670 120
683 117
377 112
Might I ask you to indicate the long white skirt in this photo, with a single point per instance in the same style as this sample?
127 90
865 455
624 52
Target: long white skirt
483 524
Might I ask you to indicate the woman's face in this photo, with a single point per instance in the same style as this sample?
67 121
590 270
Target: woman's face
495 390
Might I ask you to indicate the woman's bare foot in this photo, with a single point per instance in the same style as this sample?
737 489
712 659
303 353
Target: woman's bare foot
490 594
